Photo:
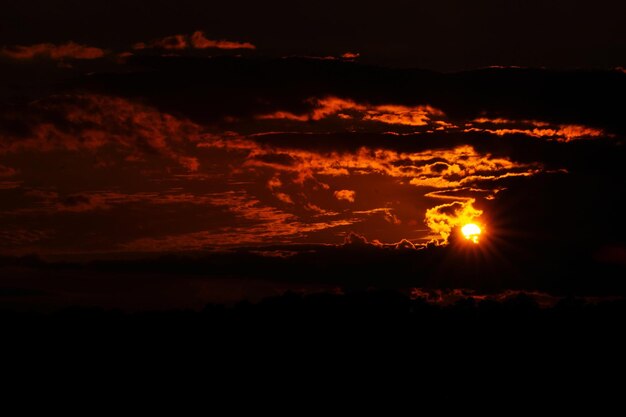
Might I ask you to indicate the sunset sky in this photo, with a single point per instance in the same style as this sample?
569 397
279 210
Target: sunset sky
130 130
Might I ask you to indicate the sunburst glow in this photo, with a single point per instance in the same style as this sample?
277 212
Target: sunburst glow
471 232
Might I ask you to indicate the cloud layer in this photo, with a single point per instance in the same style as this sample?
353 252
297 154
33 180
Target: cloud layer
196 40
214 154
69 50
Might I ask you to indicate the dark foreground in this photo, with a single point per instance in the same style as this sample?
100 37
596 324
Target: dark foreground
367 342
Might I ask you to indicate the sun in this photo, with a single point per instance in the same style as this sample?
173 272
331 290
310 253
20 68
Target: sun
471 232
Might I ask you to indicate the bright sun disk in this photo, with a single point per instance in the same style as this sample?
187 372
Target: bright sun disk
471 232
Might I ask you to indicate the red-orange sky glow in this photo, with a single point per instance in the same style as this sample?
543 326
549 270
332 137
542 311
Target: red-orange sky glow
147 180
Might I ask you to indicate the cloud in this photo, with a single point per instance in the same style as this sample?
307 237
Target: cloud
444 218
69 50
274 184
258 224
46 201
403 115
386 212
346 195
449 297
555 97
6 172
352 112
196 40
17 237
437 168
199 41
174 42
355 240
158 164
347 109
94 122
298 167
350 55
456 173
536 129
50 201
405 244
9 185
281 191
284 198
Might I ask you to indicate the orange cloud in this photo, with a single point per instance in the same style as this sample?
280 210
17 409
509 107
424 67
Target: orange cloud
274 183
69 50
347 195
442 219
459 166
403 115
537 129
386 212
284 198
501 121
196 40
301 201
455 167
424 115
573 132
284 115
350 55
348 109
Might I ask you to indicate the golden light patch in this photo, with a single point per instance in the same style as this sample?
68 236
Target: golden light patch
471 232
445 218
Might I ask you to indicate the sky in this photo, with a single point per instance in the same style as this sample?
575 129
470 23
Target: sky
446 35
130 130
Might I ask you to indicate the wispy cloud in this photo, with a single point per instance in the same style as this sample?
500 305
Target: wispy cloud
534 128
347 109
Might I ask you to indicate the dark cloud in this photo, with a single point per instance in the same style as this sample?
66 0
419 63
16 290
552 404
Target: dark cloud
69 50
196 40
360 263
90 122
292 86
354 240
448 35
7 171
